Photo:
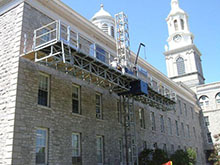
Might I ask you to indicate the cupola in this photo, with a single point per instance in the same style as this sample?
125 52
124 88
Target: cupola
104 21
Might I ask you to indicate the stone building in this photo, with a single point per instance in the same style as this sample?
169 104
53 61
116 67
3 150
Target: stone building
56 109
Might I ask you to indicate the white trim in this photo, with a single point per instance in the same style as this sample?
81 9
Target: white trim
9 6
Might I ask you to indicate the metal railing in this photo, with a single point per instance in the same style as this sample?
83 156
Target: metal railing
59 32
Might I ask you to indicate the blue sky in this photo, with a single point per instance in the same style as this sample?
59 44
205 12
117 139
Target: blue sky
147 24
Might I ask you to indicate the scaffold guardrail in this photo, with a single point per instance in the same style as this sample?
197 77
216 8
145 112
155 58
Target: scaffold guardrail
60 46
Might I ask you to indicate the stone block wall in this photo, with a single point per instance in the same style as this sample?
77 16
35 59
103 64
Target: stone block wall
10 36
18 126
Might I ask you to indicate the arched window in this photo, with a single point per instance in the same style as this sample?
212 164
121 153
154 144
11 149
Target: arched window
182 24
204 100
105 28
176 25
217 98
112 32
180 66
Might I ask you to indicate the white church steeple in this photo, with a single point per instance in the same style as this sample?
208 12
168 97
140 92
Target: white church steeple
177 21
182 57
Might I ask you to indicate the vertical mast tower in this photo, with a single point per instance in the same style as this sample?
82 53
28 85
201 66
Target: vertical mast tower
122 41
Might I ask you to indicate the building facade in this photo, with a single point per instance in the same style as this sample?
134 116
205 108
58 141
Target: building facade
51 115
183 61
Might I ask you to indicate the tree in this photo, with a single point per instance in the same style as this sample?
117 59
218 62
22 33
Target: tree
192 156
180 157
159 157
145 156
153 157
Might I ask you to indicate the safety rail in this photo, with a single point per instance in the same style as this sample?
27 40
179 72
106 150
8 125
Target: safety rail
59 32
58 45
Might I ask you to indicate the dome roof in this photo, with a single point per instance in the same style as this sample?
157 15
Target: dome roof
101 14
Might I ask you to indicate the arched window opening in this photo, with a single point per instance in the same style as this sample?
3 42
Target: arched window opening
180 66
217 98
105 28
182 24
204 101
176 25
112 32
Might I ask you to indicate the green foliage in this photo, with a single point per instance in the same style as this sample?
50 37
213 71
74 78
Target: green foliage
158 157
145 156
180 157
215 156
153 157
192 156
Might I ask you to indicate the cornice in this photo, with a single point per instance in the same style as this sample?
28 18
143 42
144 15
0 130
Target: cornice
8 5
188 74
174 51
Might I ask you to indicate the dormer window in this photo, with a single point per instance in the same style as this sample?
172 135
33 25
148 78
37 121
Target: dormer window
176 25
182 24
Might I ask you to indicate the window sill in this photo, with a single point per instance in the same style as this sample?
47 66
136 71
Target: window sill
163 133
100 119
77 114
44 107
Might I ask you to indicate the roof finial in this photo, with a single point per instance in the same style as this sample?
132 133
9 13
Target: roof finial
174 4
102 6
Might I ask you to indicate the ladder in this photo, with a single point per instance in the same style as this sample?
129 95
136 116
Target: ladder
130 142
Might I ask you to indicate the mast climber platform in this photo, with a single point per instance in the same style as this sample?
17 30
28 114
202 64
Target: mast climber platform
59 46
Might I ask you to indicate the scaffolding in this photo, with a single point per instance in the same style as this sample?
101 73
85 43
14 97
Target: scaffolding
61 47
122 41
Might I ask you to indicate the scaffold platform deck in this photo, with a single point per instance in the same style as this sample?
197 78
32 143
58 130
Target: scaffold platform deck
59 46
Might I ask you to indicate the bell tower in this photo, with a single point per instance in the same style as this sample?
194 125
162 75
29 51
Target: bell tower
182 56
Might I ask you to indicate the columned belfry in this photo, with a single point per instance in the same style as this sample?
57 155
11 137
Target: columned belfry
182 56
